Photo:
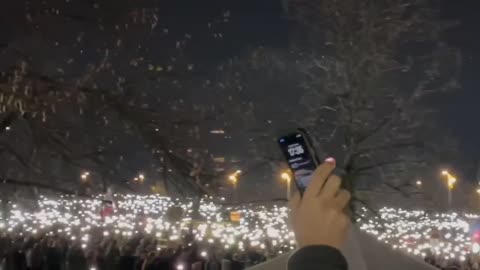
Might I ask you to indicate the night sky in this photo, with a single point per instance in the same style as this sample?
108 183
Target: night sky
255 23
459 111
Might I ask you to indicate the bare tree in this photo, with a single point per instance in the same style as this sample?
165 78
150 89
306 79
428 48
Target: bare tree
371 68
360 76
81 92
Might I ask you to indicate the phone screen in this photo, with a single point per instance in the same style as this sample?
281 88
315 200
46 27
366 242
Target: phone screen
300 158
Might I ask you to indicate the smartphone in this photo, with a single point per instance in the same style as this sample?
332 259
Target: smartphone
301 157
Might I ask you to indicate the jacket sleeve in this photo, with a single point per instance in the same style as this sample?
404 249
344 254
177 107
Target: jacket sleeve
317 258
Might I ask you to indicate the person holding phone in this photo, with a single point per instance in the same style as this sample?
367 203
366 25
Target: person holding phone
319 222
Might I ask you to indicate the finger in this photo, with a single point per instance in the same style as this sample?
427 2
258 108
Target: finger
318 178
331 188
342 199
294 202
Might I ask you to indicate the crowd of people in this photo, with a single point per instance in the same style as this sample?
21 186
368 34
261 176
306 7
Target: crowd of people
69 233
470 262
445 240
153 232
142 232
137 253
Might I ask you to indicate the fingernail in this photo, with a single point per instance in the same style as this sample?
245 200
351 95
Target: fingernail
330 160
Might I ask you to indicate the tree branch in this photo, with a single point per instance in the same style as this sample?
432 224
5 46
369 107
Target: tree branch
384 163
362 151
14 182
385 122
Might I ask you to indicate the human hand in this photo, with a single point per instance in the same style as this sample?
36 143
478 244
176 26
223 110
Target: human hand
319 218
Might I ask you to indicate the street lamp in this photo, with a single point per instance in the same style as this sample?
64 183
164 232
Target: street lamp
288 179
451 180
478 191
234 179
140 178
419 183
84 176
